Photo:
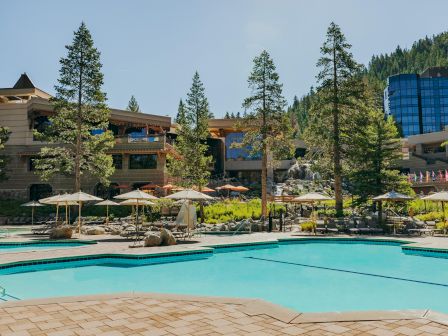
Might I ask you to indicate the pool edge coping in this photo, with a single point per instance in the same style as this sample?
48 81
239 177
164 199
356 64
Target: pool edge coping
251 307
208 248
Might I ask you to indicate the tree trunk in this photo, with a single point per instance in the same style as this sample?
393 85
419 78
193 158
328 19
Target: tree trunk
78 133
264 176
336 143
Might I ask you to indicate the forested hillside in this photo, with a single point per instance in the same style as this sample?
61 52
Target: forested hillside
424 53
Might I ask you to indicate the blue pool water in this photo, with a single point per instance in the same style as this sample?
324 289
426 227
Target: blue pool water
311 277
10 248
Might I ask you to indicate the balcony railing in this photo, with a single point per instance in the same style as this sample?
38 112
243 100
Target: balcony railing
152 142
140 139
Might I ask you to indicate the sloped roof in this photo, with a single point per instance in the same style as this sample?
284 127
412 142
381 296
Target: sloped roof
24 82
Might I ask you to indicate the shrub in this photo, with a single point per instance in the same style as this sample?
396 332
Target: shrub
308 226
431 216
442 226
234 210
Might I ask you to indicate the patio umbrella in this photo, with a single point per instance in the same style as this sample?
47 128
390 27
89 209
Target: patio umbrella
240 189
136 196
204 189
189 195
134 202
55 200
391 196
32 204
107 203
441 196
312 198
227 187
80 197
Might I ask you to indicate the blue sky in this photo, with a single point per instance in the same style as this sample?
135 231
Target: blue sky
152 48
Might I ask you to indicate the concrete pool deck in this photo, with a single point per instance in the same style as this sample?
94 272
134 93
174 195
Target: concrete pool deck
165 314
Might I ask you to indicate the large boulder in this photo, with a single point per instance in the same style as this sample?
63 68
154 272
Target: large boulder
61 232
167 237
152 239
93 230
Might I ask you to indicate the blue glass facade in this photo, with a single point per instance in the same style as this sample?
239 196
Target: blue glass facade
418 103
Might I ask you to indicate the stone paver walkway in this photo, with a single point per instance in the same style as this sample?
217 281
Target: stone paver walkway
153 315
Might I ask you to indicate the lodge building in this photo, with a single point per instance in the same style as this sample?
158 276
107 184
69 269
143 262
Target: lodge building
142 142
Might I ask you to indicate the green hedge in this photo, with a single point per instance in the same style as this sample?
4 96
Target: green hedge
229 210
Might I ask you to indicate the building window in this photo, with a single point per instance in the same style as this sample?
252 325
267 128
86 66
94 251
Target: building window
117 161
31 164
38 191
143 161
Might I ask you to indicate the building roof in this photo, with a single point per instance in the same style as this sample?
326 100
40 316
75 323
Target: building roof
24 82
23 90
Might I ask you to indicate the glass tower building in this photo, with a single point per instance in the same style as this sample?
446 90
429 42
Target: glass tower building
418 103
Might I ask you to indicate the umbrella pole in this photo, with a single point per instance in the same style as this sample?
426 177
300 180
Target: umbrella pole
57 213
107 215
136 223
79 217
32 216
66 213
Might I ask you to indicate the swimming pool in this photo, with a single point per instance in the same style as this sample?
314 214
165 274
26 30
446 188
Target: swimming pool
32 246
315 276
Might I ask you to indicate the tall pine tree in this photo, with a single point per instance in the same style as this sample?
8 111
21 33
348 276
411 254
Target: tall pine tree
78 127
133 105
181 114
335 109
191 142
376 150
267 130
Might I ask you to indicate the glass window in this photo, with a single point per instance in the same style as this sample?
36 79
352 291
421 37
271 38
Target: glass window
143 161
117 161
31 165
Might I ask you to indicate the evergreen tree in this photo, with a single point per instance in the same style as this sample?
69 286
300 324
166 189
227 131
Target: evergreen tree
267 128
227 116
4 136
79 124
336 108
180 117
232 115
238 115
192 163
133 105
376 150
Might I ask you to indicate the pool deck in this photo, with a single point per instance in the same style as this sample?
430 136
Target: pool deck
166 314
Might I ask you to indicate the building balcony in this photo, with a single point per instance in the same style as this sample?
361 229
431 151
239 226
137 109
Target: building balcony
148 142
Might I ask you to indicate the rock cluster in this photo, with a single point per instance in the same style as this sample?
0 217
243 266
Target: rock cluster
164 238
61 232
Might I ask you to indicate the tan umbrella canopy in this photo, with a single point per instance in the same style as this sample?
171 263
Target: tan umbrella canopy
136 194
139 197
189 194
441 196
57 200
240 189
107 203
227 187
204 189
80 197
392 196
136 202
32 204
312 198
